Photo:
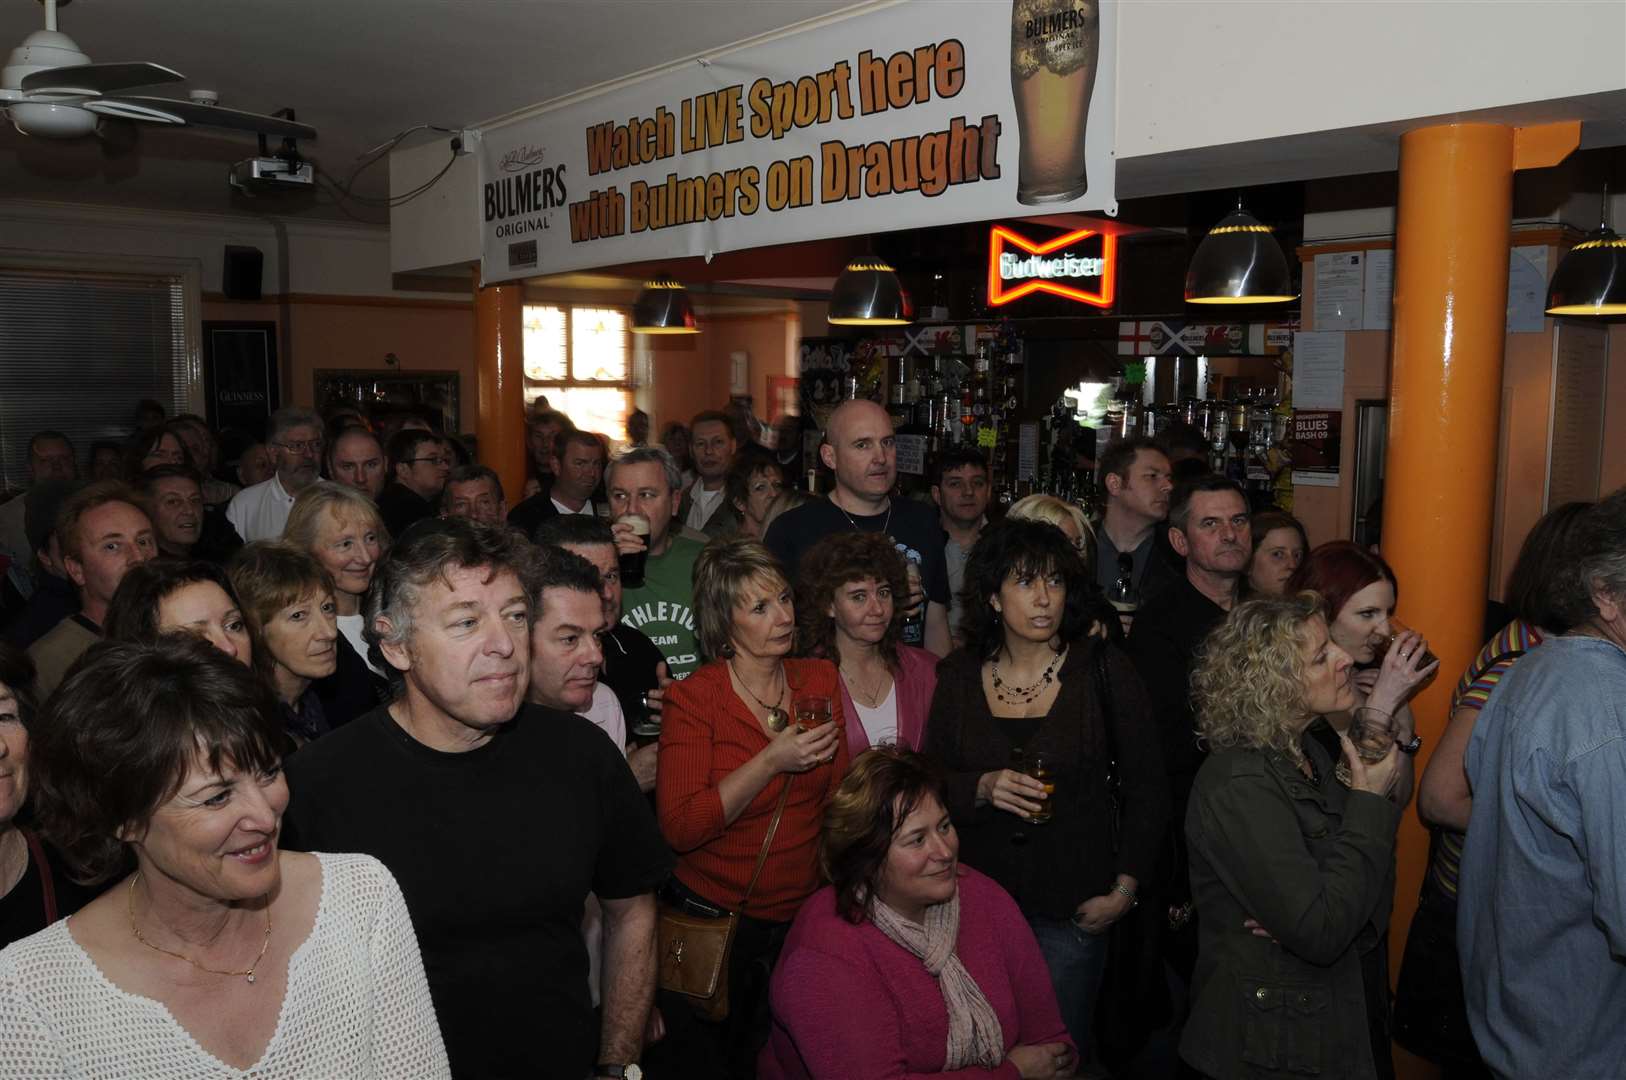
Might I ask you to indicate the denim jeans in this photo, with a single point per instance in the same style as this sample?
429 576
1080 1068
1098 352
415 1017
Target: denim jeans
1076 961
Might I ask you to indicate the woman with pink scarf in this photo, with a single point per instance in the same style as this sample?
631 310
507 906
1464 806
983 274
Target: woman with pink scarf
908 964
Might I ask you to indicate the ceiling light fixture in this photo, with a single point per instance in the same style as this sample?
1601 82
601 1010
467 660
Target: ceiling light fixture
1591 279
663 308
868 293
1239 262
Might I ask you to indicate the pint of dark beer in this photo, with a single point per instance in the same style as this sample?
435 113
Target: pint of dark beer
632 563
1054 44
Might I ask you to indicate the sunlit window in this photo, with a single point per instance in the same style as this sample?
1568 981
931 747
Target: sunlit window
578 358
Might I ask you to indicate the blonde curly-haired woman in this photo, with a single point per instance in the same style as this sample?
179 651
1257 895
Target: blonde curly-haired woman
1291 871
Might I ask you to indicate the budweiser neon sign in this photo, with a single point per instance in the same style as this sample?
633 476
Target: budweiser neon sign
1018 267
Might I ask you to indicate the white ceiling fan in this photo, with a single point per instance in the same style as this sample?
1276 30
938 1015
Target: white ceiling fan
50 88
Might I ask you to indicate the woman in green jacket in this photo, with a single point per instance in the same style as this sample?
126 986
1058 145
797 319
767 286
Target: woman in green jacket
1292 872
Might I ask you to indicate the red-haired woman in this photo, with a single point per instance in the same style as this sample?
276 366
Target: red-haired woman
1358 594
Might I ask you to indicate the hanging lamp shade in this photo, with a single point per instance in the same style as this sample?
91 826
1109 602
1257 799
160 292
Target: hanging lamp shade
663 308
868 293
1591 280
1239 262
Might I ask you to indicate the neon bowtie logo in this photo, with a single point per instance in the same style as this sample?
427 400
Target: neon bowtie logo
1018 266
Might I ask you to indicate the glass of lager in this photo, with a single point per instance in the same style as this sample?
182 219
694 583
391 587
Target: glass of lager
1054 45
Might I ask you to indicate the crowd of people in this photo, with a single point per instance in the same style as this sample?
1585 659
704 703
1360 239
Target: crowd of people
348 767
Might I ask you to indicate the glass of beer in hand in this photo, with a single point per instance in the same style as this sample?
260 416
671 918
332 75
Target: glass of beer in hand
811 712
1041 767
1054 47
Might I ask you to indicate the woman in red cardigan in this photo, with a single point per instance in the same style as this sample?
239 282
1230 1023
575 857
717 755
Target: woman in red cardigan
846 614
735 736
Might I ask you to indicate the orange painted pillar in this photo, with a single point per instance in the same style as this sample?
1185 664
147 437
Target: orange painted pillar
1450 302
499 361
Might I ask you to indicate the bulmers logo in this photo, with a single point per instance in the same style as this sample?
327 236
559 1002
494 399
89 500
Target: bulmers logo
521 158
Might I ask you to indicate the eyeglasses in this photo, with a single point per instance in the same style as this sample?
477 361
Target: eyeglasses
430 460
302 446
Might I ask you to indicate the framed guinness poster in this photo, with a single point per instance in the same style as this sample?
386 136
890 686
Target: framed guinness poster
240 375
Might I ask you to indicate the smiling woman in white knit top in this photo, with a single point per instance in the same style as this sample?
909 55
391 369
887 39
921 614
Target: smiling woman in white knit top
218 953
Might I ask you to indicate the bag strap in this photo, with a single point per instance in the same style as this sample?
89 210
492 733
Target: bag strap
1103 694
767 842
47 885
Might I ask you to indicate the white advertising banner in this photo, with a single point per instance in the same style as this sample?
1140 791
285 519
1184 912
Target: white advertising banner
911 114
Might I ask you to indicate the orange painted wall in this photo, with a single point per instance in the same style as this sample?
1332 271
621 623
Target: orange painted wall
357 332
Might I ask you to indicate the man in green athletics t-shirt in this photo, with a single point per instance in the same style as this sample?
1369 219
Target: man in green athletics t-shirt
646 481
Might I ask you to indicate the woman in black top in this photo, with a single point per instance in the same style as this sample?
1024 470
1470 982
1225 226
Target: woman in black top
34 890
1027 686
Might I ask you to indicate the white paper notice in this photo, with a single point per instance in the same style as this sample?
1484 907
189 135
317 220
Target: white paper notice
1338 285
911 451
1380 290
1318 370
1527 290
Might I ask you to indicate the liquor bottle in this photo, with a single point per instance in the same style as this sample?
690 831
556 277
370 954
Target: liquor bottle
1124 595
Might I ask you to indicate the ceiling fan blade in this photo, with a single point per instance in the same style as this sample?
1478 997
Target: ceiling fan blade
128 110
97 78
214 116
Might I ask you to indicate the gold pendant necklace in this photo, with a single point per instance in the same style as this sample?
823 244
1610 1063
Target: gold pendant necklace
777 717
249 973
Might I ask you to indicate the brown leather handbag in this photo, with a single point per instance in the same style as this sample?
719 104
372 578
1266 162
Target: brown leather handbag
694 949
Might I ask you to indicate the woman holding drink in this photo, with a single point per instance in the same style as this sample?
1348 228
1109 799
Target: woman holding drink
1292 872
752 747
1358 593
1031 692
848 612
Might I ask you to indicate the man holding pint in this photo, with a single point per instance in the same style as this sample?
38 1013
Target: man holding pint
644 485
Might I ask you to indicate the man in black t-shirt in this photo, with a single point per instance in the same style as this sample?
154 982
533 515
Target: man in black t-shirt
496 818
858 447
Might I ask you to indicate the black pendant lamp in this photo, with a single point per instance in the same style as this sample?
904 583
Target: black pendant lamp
1239 262
1591 280
868 293
663 308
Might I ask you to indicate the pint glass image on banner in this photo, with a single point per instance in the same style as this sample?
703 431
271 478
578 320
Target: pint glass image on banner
1054 44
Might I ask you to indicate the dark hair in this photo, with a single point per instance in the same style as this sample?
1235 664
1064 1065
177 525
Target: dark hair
550 416
1120 457
132 614
556 568
958 457
881 789
1180 500
1182 437
1597 561
48 436
102 762
422 556
147 480
146 441
748 461
1188 469
1268 521
17 675
467 474
404 445
1337 570
1544 558
837 560
580 438
715 416
581 529
344 433
97 447
1013 546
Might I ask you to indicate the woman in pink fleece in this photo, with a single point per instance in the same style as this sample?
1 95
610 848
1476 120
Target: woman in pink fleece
908 964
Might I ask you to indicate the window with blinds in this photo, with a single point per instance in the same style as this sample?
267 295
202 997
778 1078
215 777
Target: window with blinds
580 359
79 350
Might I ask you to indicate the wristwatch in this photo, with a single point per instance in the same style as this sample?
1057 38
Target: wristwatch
619 1072
1412 747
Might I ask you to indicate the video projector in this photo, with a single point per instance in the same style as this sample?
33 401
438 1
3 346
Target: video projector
258 175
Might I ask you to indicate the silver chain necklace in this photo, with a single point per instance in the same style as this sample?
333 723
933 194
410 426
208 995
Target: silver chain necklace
884 525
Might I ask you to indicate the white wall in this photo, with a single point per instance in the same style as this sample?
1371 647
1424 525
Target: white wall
327 258
1192 75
